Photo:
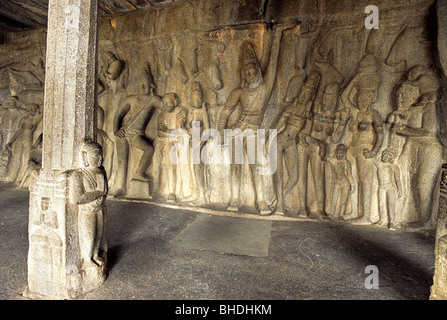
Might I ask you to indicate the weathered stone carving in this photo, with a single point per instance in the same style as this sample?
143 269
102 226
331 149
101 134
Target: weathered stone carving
253 95
129 125
439 288
169 124
87 190
343 182
290 124
355 103
21 143
422 149
108 146
11 116
390 187
34 163
366 127
197 122
60 264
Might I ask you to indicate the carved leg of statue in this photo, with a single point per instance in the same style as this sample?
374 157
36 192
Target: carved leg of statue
391 205
303 158
278 180
87 234
15 163
122 148
235 180
383 206
290 156
263 207
427 178
200 179
317 167
144 145
171 170
335 202
26 153
98 238
365 173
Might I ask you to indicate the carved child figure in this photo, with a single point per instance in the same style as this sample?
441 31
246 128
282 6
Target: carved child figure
390 185
343 184
88 190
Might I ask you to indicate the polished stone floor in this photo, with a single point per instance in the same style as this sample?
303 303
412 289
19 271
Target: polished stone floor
161 253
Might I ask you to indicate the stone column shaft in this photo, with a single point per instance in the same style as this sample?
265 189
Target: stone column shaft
70 81
55 267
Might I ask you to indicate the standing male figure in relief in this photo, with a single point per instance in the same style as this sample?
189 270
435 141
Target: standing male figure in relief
253 95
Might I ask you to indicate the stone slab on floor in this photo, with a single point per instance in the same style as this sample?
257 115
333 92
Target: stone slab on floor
226 235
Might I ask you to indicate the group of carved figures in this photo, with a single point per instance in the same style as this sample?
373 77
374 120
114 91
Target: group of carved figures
330 139
343 137
20 149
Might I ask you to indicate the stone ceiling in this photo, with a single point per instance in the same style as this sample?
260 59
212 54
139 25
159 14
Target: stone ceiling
20 15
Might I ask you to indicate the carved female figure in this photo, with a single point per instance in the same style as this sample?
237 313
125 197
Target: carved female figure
366 126
367 129
198 121
289 125
313 148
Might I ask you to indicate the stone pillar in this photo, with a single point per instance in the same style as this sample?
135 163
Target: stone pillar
438 290
54 264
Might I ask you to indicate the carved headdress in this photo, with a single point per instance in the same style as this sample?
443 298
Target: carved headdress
247 58
248 55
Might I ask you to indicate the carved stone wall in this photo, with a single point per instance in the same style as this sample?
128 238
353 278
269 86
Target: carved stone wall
356 110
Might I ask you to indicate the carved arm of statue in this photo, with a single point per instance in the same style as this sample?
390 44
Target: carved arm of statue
426 129
123 109
272 66
77 189
378 128
230 106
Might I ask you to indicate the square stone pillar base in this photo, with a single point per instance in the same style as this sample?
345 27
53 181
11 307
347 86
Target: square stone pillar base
55 270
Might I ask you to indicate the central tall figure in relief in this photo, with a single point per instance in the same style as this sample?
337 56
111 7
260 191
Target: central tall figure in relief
253 95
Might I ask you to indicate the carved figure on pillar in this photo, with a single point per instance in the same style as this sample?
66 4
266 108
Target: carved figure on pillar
438 290
253 95
88 190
